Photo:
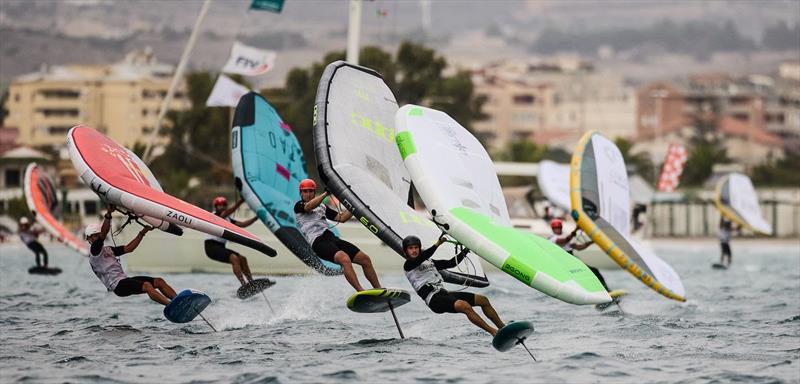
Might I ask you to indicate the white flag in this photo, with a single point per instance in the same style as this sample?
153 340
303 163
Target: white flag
249 61
226 93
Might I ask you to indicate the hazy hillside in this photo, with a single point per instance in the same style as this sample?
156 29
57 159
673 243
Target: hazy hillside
468 32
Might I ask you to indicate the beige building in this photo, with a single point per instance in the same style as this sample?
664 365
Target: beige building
758 116
552 103
121 100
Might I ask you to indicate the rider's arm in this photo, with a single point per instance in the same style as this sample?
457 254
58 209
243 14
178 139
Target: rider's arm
106 222
230 210
343 216
315 202
245 223
455 260
582 246
130 247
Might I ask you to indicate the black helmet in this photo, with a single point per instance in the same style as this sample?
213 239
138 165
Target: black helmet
411 240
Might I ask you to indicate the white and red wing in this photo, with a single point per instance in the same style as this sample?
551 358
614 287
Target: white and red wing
121 178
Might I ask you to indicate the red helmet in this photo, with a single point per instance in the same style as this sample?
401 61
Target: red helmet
308 184
555 223
220 200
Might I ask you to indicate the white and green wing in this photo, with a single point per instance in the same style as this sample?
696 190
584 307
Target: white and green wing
455 178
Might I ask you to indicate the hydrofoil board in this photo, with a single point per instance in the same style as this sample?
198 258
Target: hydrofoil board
512 334
254 287
186 306
616 297
44 270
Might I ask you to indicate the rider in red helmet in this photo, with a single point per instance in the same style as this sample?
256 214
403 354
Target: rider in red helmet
215 245
311 217
566 244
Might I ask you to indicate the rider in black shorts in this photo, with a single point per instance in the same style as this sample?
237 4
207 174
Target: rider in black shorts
423 273
310 214
215 245
104 260
30 236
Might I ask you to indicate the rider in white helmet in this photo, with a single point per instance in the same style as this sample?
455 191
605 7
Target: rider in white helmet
30 236
104 261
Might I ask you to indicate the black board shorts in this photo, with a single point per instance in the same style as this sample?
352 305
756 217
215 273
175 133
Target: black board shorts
36 247
726 248
328 244
132 285
444 301
216 251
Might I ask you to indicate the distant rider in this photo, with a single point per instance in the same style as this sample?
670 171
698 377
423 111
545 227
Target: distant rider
215 245
423 274
566 244
725 232
30 236
310 214
104 261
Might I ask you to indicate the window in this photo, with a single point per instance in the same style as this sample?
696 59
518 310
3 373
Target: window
12 178
741 117
58 130
60 94
53 112
90 207
524 99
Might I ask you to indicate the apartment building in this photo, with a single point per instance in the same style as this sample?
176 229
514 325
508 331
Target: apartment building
758 116
551 102
121 100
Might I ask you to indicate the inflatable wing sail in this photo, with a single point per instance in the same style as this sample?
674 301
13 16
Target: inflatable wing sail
42 199
457 181
358 161
268 165
737 201
553 180
120 177
601 207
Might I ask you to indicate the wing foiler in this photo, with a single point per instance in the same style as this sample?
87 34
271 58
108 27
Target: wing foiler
737 201
119 177
268 165
42 198
457 181
358 161
601 207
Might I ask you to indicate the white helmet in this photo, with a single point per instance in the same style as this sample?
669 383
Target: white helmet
23 220
91 229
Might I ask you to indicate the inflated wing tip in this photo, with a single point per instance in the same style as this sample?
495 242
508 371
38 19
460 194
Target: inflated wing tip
174 229
248 242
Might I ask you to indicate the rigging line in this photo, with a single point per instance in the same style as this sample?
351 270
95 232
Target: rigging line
189 150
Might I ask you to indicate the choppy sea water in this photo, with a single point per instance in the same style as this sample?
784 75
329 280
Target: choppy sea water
740 325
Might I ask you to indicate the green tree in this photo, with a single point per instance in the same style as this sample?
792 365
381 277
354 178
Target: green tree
414 75
705 149
781 172
520 151
419 69
198 144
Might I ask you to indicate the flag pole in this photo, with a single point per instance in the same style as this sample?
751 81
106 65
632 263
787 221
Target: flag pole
353 31
176 78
